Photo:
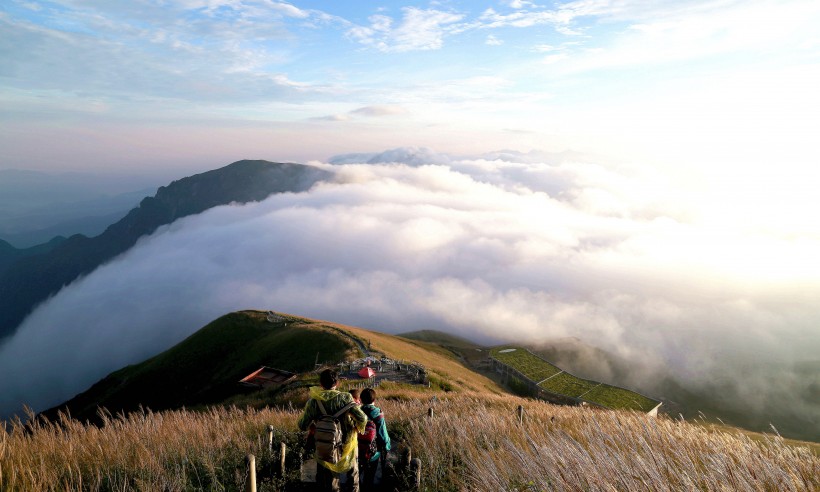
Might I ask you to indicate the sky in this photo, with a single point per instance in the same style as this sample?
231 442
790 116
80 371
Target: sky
640 175
193 84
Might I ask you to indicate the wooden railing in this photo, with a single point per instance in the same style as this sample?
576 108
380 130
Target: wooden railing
406 467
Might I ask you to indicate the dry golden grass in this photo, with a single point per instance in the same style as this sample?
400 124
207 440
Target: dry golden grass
473 442
476 443
172 451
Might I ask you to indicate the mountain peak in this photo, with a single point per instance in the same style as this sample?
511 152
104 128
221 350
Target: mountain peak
30 280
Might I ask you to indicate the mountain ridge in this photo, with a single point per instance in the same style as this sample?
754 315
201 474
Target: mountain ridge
187 376
30 280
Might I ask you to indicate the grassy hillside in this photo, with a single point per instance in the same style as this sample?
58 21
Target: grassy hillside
442 364
205 367
552 379
474 441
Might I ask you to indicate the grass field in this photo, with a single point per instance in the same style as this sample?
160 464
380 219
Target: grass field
552 379
475 442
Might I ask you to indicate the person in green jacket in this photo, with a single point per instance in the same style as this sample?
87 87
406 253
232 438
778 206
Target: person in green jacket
370 466
352 422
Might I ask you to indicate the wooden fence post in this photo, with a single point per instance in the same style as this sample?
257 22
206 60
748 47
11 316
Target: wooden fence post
520 414
283 450
415 467
430 412
406 457
250 484
270 438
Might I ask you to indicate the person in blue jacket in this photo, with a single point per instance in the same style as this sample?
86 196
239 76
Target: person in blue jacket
368 467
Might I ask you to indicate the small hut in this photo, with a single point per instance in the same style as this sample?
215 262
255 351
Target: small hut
267 377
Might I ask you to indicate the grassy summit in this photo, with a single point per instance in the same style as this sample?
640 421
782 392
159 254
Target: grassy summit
204 368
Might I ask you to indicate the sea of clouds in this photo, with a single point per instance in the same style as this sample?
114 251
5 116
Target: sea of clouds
502 247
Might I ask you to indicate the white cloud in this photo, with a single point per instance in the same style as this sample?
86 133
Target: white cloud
419 29
412 156
543 48
493 19
374 111
332 117
123 53
511 246
493 41
521 4
381 23
379 110
288 9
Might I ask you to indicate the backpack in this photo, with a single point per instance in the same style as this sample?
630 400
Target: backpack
367 441
328 434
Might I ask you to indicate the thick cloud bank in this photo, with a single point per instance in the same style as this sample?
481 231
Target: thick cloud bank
487 248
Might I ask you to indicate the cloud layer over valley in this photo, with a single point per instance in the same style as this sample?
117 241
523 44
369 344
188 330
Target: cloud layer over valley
509 246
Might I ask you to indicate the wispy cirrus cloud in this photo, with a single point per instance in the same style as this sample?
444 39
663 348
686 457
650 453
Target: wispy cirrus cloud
373 111
418 29
493 41
192 51
380 110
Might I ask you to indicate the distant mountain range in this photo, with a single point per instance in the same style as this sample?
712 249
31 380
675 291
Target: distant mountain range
37 206
30 276
33 227
9 254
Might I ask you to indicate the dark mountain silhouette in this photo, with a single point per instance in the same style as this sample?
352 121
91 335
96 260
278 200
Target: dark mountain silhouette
29 227
9 254
30 280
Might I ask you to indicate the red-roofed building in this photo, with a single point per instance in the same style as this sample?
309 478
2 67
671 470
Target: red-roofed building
266 377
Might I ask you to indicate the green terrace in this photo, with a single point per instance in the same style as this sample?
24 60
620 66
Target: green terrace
552 379
528 364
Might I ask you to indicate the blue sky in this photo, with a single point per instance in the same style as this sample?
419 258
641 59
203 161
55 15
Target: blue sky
187 83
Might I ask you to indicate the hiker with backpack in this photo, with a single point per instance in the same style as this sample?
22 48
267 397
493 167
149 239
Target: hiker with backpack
374 442
335 420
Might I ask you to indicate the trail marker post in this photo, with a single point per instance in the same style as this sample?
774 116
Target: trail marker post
406 458
270 438
250 485
415 467
520 414
283 450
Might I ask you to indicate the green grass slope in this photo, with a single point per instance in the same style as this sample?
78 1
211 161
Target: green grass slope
205 368
552 379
